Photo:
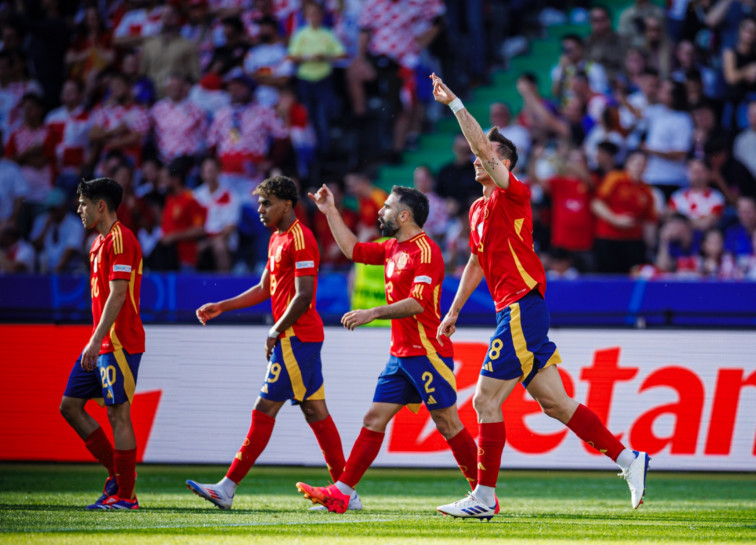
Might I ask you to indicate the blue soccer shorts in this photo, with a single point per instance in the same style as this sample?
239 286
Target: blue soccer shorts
418 379
521 345
294 372
112 382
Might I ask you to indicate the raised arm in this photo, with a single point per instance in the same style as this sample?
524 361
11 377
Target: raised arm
479 143
343 236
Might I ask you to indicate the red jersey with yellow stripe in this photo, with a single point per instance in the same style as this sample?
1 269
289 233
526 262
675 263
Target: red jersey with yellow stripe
291 254
501 236
118 256
413 268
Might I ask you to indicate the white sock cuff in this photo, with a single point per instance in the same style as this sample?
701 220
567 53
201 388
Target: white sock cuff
345 488
626 458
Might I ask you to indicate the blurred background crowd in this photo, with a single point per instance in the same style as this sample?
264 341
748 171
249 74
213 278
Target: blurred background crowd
639 145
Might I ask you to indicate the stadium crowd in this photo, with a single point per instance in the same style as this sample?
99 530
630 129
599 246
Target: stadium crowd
641 160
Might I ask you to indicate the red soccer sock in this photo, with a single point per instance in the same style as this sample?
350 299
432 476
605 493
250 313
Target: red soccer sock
257 439
365 449
590 429
125 472
99 445
465 452
490 445
330 444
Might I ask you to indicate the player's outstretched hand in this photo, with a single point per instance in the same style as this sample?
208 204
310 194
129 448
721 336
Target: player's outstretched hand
353 318
441 92
323 199
208 311
446 328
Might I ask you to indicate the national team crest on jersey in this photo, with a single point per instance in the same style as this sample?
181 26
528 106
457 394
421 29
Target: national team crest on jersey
401 260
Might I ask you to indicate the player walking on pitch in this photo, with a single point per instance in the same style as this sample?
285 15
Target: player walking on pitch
520 351
292 347
420 367
108 366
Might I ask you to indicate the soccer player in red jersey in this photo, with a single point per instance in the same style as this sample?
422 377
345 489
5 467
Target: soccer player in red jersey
420 367
501 241
108 366
293 345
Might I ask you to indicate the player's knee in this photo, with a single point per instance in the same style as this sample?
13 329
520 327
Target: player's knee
374 422
66 410
483 405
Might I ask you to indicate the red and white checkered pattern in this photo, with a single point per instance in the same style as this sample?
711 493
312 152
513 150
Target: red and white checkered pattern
134 116
695 204
250 142
179 128
140 22
70 136
40 180
223 208
395 26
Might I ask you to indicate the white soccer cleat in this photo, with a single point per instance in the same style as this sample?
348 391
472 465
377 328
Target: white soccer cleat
212 493
469 507
635 475
355 504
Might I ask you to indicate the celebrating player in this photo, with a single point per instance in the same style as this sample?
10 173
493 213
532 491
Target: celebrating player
293 344
420 368
108 366
520 351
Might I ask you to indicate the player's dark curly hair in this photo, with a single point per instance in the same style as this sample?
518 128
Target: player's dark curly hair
507 150
415 201
281 187
106 189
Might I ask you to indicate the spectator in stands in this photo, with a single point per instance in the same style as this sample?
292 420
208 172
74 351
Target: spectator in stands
57 235
30 147
633 106
606 159
730 176
701 204
314 48
571 191
745 142
198 29
231 54
725 17
739 68
15 83
137 24
208 94
183 222
678 245
119 124
142 87
393 33
499 115
687 60
632 21
435 225
603 45
268 64
370 200
223 214
713 261
296 120
91 49
331 257
705 127
133 212
13 191
670 133
240 134
16 255
625 212
169 52
739 238
657 46
456 179
69 126
607 129
569 124
180 126
572 61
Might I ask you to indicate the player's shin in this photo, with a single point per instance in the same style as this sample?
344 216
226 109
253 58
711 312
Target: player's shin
329 441
465 452
257 439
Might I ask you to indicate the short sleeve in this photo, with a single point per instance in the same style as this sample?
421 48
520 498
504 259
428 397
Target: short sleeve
122 252
427 277
369 253
307 258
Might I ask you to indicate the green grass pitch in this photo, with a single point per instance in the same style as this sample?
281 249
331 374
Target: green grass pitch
42 503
